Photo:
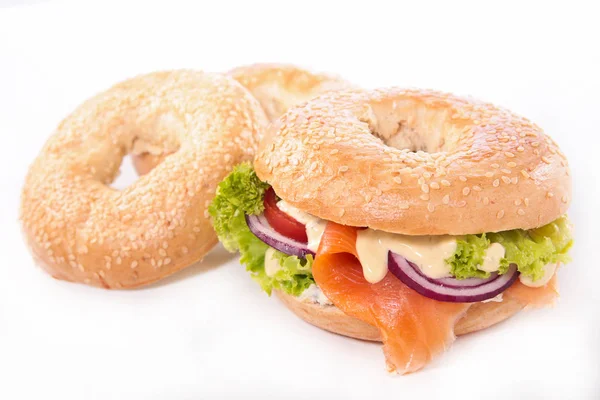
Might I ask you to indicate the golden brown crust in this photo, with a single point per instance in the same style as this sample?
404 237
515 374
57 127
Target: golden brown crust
479 316
415 162
80 229
276 86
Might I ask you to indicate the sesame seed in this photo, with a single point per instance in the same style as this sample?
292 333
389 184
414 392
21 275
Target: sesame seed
446 199
489 174
525 173
133 264
466 191
477 188
500 214
506 171
424 196
535 144
167 261
505 179
461 203
549 195
343 168
334 151
495 165
403 206
162 252
509 154
546 159
486 201
430 207
520 211
511 164
434 185
517 202
520 149
184 250
427 174
445 182
425 188
496 183
397 179
565 198
462 178
514 180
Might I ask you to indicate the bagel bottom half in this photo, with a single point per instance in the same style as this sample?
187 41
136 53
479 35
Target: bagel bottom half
479 316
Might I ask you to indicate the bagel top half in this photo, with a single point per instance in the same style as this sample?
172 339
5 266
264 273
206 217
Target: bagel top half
415 162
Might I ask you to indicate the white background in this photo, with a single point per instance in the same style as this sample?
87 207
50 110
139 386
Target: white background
209 332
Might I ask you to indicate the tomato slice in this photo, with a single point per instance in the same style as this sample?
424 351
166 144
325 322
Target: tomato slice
282 222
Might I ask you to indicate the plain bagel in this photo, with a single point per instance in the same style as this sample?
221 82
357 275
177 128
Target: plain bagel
277 87
415 162
82 230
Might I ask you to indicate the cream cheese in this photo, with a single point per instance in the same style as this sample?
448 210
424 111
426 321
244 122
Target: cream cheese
315 295
497 299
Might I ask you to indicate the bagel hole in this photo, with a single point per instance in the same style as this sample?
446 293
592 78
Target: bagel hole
127 175
416 133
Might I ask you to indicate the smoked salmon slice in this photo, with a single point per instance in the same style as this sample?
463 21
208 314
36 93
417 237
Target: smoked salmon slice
414 328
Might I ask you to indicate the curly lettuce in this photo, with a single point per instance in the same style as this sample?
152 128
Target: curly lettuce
241 193
531 250
467 258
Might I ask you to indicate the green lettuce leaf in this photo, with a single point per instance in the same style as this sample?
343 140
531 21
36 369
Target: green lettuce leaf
241 193
294 276
531 250
468 257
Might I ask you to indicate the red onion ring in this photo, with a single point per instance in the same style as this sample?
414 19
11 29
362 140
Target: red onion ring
450 289
261 228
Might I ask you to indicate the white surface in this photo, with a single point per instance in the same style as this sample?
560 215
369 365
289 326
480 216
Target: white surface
209 332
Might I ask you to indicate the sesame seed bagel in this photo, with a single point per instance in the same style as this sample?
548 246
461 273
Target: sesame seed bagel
80 229
415 162
330 318
277 87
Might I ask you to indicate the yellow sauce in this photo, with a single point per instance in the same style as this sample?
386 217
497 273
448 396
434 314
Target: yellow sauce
271 263
427 252
549 270
493 255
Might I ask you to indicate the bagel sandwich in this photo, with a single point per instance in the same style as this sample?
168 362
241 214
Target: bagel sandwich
401 216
